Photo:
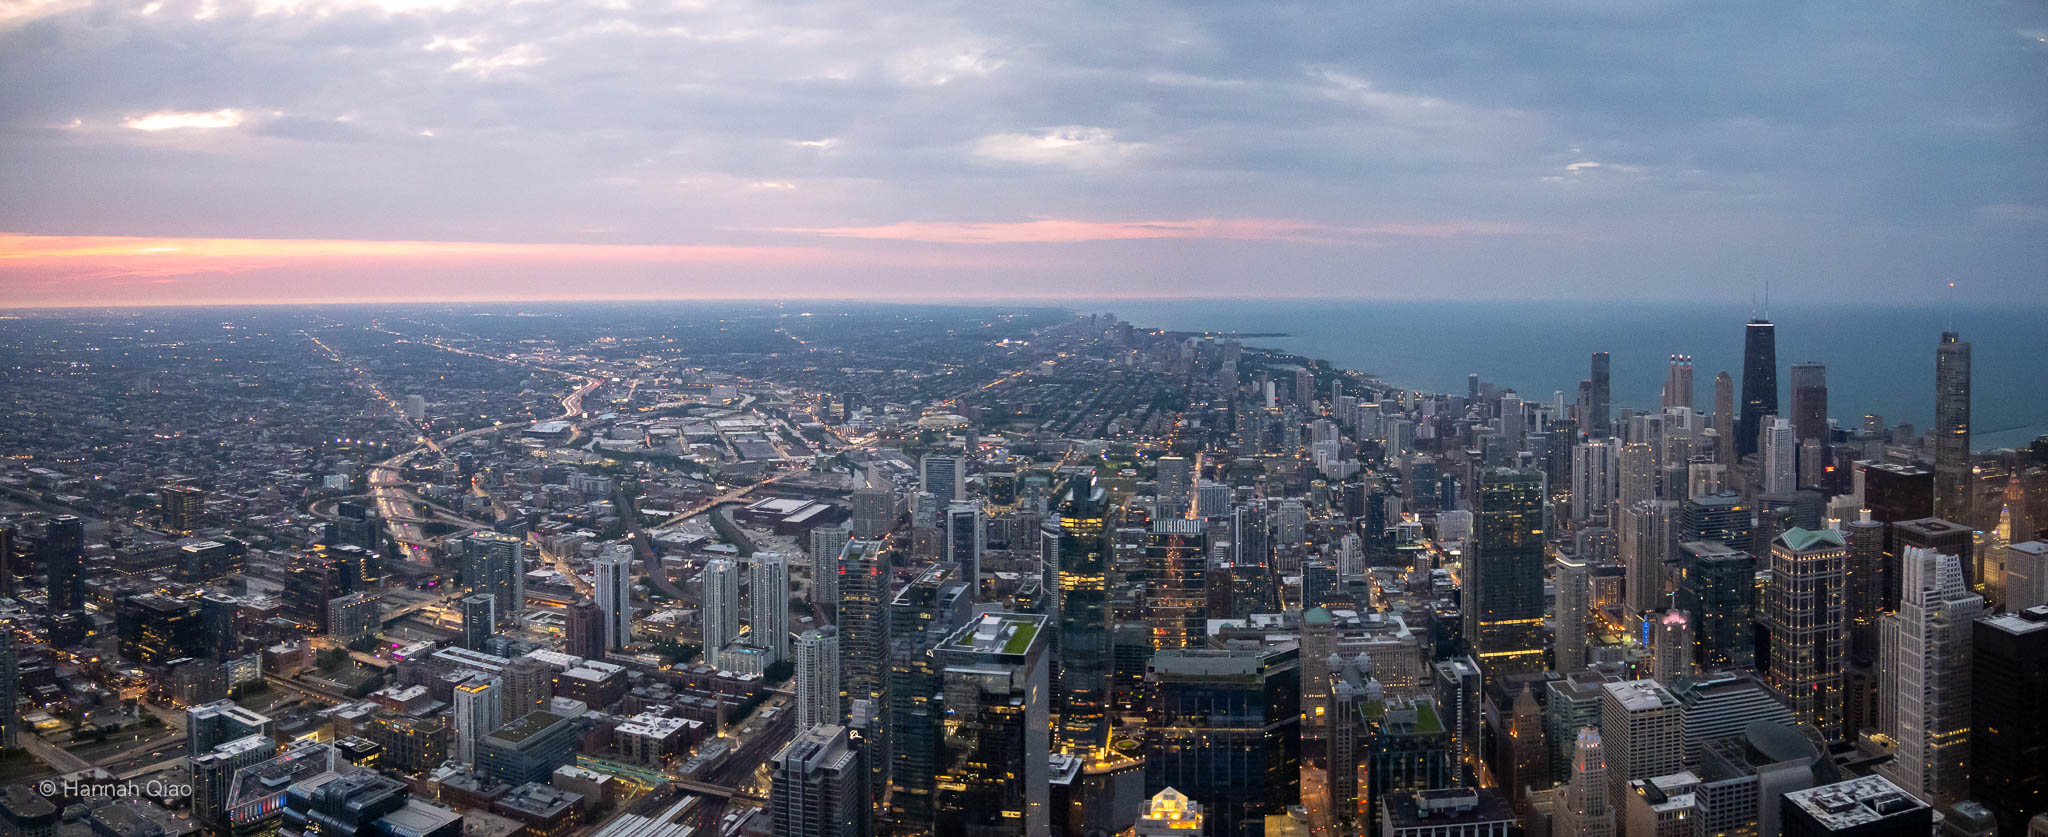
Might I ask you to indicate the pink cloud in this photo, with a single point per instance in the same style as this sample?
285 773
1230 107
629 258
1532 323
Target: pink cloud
103 256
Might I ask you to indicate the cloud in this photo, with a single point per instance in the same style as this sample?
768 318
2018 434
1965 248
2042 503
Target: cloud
175 256
1068 231
2014 213
485 66
1833 126
1075 146
180 120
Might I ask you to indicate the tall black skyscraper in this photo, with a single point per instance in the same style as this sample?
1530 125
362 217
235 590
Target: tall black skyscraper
1810 401
1759 383
63 554
1504 576
1952 428
1601 423
1084 647
2009 732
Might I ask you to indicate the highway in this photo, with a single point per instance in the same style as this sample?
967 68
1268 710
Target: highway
51 754
321 695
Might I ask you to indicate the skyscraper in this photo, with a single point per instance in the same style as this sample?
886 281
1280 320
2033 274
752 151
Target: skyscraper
1678 383
1864 587
479 620
1759 383
1924 695
1636 473
965 539
2008 730
818 785
864 596
998 736
768 605
1724 418
614 593
1582 809
1805 614
1780 457
10 687
1809 384
529 685
477 713
1226 730
2026 575
817 678
944 476
583 631
924 613
1600 423
1642 730
1504 617
181 506
1646 536
495 563
1952 428
213 775
1863 593
1594 480
1083 560
719 590
1671 648
1574 581
1175 479
62 554
1176 566
826 543
874 512
1718 585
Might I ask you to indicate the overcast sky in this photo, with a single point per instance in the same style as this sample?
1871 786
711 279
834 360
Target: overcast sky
220 150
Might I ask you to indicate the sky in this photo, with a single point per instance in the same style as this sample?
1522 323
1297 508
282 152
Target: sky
276 151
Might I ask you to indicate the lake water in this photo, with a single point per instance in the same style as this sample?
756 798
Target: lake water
1879 359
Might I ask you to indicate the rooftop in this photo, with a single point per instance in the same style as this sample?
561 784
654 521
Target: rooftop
1641 695
1855 802
998 633
1801 540
527 726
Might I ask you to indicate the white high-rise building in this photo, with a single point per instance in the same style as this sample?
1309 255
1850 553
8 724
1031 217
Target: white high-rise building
817 677
1780 457
478 711
944 476
816 786
1594 479
1636 481
1574 581
721 597
1646 540
1924 677
1643 729
768 612
614 593
1290 525
826 544
1582 807
2026 575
